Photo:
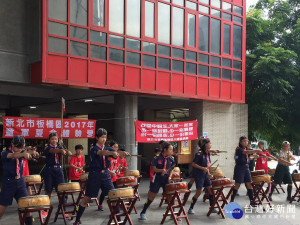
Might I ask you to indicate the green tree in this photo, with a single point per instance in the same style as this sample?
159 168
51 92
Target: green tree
272 71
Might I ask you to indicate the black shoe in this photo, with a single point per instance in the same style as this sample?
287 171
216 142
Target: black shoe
289 199
270 198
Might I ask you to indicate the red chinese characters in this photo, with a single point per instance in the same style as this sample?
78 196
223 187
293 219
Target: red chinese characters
40 128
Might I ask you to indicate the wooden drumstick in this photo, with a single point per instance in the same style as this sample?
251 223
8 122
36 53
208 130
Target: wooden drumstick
213 163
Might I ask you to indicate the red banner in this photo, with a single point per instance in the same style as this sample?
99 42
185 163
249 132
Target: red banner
40 128
149 132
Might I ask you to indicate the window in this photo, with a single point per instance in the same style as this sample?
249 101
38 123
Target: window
203 9
116 16
58 9
191 39
116 55
178 53
178 2
227 16
149 61
133 18
78 12
178 27
133 58
57 29
237 76
203 70
227 6
149 19
177 66
215 13
191 68
226 63
226 39
238 10
149 47
191 5
214 72
203 33
78 49
78 33
216 3
98 37
98 52
203 58
237 41
237 19
164 50
215 60
164 23
226 74
116 41
215 39
163 63
57 45
98 13
191 56
133 44
237 65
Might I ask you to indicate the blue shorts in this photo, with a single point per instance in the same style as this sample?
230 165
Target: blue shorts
242 174
97 180
202 181
52 178
12 188
159 181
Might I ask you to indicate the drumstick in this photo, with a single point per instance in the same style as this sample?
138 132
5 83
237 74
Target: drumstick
216 167
213 163
223 151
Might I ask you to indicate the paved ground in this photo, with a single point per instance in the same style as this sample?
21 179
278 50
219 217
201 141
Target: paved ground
285 214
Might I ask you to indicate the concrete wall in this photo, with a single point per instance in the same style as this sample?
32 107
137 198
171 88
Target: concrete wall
225 123
19 40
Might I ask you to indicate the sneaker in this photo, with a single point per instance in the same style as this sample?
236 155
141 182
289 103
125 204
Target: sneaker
44 214
191 211
289 199
76 223
100 208
214 211
143 216
237 194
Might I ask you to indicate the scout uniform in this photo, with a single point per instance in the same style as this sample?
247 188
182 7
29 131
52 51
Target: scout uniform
158 181
282 172
201 177
241 169
54 174
99 176
13 185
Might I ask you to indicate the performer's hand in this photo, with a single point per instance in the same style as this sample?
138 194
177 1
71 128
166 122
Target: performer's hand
163 172
27 155
206 170
113 174
258 151
63 152
115 155
35 154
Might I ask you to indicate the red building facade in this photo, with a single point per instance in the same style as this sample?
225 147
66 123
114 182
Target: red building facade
190 49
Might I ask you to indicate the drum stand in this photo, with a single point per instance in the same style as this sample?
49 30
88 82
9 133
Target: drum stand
33 184
62 205
279 188
260 194
163 198
82 194
170 211
219 196
297 193
136 192
22 214
119 203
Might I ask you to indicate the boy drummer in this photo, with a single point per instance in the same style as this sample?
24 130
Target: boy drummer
13 185
282 172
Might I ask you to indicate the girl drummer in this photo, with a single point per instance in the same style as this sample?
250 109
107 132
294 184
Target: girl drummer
162 166
201 164
98 176
54 174
13 185
262 160
282 173
241 169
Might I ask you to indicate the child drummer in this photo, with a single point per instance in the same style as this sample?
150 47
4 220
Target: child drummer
162 166
201 164
241 169
76 164
282 173
123 166
54 174
98 176
262 160
13 185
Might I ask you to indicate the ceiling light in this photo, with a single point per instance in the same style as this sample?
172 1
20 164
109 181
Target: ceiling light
88 100
32 107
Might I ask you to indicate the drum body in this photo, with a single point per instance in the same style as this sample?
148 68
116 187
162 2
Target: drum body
296 176
217 174
261 178
74 186
272 172
36 201
120 193
214 169
180 186
84 177
32 178
257 173
126 181
176 176
218 183
135 173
